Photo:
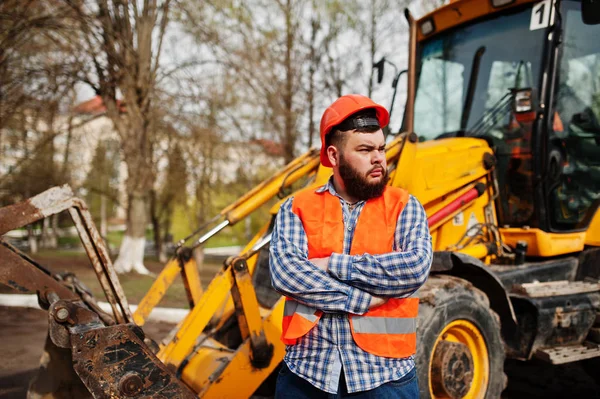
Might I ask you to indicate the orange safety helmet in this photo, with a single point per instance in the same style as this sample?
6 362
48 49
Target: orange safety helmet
341 109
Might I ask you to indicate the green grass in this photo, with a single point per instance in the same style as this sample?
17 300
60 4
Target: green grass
223 239
69 240
114 238
59 253
134 285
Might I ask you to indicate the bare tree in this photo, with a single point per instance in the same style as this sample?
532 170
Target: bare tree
35 74
172 193
123 42
330 65
36 77
26 30
260 40
379 24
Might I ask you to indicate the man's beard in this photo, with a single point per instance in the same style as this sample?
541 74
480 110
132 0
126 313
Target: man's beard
357 185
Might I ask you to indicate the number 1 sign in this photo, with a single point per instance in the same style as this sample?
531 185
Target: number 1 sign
542 15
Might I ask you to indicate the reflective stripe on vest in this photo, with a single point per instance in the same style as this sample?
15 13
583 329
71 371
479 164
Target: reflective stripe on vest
298 319
388 330
383 325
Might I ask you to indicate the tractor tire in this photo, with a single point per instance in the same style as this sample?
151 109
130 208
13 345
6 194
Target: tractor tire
460 352
591 367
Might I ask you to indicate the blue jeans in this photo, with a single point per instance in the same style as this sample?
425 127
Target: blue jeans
290 386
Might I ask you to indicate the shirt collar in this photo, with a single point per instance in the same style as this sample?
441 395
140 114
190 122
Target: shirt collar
331 189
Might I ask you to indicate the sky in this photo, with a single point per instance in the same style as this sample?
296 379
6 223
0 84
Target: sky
179 47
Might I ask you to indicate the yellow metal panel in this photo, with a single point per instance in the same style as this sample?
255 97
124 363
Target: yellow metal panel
245 302
450 232
478 251
208 360
593 232
541 243
226 308
442 166
452 164
404 174
239 379
183 342
192 280
440 171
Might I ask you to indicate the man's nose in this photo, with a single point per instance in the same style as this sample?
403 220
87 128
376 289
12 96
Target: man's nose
378 157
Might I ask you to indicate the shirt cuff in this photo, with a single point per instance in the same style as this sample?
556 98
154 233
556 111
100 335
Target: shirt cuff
340 266
358 301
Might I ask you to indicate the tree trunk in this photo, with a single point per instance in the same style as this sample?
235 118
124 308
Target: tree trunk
103 222
44 236
33 247
311 79
158 244
289 134
65 172
49 239
131 253
372 46
167 237
137 153
54 231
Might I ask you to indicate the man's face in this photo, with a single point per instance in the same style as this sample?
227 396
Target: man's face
362 165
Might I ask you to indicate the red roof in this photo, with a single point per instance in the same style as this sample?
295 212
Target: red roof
271 147
95 106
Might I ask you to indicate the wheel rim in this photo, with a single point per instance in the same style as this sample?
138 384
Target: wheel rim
466 339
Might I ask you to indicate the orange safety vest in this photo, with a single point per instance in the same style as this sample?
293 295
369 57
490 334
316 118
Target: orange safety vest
388 330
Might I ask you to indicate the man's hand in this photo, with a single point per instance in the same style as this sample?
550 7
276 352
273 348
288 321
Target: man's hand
376 301
321 263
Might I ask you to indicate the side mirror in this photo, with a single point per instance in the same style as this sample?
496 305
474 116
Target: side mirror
590 12
522 101
379 66
587 121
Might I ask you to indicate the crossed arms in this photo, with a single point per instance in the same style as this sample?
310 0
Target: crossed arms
350 283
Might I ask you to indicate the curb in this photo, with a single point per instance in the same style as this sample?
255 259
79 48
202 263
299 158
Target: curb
164 315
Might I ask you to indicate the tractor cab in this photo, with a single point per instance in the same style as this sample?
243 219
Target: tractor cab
526 80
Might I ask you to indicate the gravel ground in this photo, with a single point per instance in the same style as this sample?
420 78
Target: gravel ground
23 333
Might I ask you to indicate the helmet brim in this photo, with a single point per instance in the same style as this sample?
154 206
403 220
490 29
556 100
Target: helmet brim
383 116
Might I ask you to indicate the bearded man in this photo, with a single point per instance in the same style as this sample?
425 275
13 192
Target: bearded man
348 256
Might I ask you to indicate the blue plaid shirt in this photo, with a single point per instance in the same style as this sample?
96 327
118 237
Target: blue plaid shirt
328 349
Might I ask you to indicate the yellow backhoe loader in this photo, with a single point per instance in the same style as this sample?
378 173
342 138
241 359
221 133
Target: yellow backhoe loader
500 143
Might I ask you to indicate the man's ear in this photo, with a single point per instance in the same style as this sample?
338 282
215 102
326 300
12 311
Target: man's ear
333 155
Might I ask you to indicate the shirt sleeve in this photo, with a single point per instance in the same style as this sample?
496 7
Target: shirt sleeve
396 274
294 276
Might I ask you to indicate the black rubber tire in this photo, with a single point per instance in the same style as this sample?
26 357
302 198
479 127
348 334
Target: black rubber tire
444 299
592 367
